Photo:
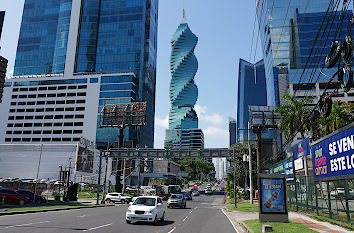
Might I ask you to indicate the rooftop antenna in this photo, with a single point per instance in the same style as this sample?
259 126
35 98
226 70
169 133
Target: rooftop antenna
184 14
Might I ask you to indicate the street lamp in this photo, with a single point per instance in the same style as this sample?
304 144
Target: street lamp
61 169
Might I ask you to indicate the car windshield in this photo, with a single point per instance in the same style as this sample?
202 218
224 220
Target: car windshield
145 201
176 196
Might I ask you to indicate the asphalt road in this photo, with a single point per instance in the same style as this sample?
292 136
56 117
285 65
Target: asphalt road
203 214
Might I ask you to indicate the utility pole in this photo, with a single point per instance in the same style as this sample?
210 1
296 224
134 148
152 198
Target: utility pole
235 196
250 164
99 179
123 189
105 177
39 164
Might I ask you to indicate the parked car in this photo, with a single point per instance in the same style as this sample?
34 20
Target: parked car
117 197
30 195
340 193
176 200
195 193
146 208
13 197
187 196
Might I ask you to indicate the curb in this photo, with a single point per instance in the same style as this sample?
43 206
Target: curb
245 227
52 210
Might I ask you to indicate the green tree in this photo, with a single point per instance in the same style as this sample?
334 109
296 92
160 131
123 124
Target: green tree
196 168
341 115
294 115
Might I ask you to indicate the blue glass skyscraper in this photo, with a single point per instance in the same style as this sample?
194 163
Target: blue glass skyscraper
112 42
274 24
251 90
183 129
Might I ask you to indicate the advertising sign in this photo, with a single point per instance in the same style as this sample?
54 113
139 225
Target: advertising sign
301 149
289 173
272 198
85 159
334 156
285 167
299 164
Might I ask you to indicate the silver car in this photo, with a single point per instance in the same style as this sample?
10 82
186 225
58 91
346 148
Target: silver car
176 200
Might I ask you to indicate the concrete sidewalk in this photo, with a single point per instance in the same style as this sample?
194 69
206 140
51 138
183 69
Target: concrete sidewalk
238 217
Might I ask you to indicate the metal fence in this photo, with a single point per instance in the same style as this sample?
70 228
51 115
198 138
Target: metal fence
333 199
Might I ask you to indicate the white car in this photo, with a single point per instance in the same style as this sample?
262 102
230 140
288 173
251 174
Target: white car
147 209
117 197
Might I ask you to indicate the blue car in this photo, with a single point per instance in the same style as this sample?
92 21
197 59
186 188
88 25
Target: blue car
187 196
30 195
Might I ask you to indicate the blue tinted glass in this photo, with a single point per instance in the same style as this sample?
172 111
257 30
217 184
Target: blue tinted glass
117 94
52 82
43 37
117 79
8 84
93 80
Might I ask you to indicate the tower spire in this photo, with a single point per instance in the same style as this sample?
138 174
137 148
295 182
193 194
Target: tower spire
184 14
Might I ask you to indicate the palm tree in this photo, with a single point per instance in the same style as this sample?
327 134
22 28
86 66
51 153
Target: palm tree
294 115
341 115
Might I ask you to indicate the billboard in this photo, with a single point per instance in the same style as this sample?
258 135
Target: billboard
301 149
129 114
272 197
333 157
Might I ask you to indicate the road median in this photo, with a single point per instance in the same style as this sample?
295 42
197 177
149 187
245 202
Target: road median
26 210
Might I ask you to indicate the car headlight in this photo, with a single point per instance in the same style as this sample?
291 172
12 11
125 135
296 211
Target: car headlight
129 210
151 211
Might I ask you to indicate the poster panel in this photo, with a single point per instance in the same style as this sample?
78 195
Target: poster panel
273 199
85 160
334 156
301 149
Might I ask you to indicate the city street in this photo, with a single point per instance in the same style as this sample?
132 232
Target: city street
203 214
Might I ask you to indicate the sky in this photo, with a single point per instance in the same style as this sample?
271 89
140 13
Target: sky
224 29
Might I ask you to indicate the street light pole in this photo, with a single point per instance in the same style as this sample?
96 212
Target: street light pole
235 196
250 164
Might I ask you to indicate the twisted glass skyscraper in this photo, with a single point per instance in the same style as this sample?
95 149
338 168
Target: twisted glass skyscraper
183 129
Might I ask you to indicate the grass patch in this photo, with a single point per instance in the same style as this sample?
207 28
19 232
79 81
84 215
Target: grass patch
88 195
24 209
291 227
345 225
244 208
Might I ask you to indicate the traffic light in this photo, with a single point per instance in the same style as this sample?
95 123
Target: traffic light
3 66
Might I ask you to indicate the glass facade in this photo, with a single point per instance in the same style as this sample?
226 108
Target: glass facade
120 36
274 22
113 36
304 28
251 90
43 37
183 119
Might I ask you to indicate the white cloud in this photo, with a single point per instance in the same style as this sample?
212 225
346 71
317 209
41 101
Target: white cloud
215 118
215 132
161 122
214 126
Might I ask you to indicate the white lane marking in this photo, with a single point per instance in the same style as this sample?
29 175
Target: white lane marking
191 211
222 210
81 216
94 228
185 219
172 230
26 224
195 208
